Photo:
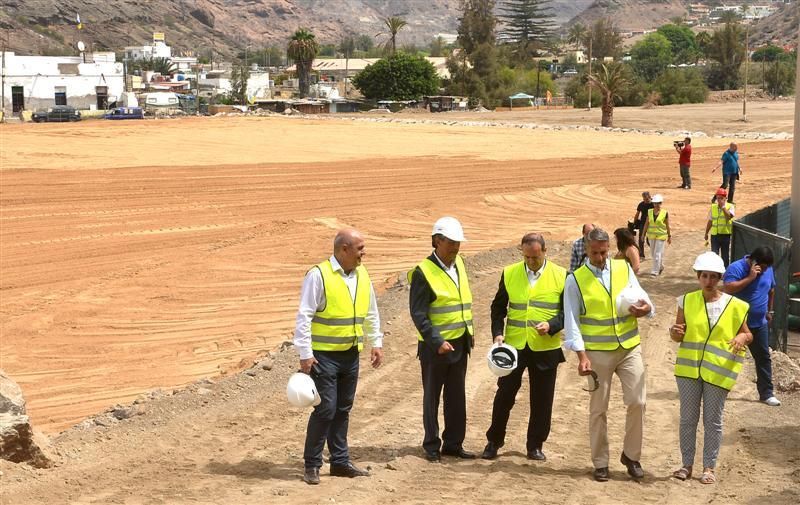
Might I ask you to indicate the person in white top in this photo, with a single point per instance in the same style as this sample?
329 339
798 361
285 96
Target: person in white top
330 354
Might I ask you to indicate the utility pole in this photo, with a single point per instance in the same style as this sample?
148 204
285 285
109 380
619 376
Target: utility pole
590 71
3 81
746 70
795 208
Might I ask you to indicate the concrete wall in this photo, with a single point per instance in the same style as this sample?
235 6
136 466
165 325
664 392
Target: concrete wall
39 77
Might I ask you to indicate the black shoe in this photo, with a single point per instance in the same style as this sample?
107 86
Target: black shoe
490 451
682 186
634 468
311 476
458 453
537 454
601 474
348 470
433 456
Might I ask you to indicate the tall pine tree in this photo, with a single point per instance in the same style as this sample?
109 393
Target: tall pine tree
527 24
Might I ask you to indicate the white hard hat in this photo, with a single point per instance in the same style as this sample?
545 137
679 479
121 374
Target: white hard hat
657 198
450 228
502 359
627 297
709 262
301 391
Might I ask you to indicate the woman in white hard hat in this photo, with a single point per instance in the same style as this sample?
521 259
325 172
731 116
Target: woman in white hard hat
656 229
712 328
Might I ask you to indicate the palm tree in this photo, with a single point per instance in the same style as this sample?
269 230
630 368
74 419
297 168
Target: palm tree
303 48
393 25
611 81
577 35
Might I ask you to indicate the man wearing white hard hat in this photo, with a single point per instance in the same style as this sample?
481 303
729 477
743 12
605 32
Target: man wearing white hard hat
527 314
604 333
441 308
337 310
656 229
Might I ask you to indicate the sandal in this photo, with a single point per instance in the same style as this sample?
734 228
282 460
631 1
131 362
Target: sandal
708 476
683 473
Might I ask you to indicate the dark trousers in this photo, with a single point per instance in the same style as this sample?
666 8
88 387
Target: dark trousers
641 240
336 376
721 244
729 180
686 177
759 348
542 390
448 373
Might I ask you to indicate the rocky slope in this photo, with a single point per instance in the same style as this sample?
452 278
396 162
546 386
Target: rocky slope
48 26
632 15
780 28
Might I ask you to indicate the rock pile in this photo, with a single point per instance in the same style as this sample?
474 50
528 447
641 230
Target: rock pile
19 442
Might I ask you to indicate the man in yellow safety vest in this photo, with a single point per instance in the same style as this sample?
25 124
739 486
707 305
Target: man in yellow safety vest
607 342
337 309
720 225
441 308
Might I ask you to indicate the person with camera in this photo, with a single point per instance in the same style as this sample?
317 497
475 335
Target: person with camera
730 169
684 149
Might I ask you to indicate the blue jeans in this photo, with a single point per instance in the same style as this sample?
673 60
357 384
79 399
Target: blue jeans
759 348
336 376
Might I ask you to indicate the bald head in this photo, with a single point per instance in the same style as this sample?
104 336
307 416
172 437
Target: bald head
587 228
733 146
348 248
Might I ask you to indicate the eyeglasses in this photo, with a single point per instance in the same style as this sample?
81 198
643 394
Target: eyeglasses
596 382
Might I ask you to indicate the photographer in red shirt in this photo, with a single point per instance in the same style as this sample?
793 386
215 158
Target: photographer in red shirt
684 149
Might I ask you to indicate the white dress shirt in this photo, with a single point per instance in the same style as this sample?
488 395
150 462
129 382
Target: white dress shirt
573 303
450 271
312 298
534 276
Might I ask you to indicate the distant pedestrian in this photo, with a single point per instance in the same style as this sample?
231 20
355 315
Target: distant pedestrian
685 162
640 217
751 279
730 169
626 248
657 230
579 248
720 225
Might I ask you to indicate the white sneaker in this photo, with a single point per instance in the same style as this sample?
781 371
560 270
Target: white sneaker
773 402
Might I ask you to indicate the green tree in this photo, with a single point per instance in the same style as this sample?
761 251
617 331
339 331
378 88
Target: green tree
767 53
611 82
364 43
240 74
605 39
651 56
578 35
393 26
163 66
527 25
401 76
728 17
532 82
303 48
681 85
727 50
474 69
437 46
703 42
780 78
682 42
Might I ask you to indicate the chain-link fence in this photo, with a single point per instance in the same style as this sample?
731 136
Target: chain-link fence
768 227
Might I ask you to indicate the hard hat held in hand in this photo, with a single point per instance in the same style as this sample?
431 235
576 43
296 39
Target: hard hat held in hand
502 359
301 391
709 262
629 296
450 228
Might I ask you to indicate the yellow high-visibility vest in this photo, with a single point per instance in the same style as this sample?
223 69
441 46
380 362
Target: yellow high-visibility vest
451 312
720 224
340 326
704 352
528 306
601 327
657 229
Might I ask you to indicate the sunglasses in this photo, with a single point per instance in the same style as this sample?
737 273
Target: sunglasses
596 382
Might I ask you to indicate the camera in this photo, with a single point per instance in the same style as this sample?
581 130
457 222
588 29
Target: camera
679 143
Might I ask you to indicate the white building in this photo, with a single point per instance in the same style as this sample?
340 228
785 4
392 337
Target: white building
91 81
158 49
214 82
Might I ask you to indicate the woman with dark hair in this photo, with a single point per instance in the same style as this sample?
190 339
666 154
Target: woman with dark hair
626 248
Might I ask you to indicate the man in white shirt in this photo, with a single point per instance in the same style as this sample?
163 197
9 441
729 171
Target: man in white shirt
608 343
337 309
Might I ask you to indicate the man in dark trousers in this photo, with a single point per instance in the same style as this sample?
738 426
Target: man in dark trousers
530 296
685 162
337 311
441 308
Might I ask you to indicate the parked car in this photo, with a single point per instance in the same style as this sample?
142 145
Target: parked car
56 114
126 113
570 71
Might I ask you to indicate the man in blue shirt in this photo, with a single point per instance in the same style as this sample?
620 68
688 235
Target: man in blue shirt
751 279
730 169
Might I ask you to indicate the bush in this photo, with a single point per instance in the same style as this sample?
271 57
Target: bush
780 78
398 77
514 80
677 85
577 90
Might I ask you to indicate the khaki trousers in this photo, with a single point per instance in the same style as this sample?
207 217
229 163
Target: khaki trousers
628 365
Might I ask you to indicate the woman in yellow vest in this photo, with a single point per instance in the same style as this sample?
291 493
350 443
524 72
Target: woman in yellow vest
656 229
712 328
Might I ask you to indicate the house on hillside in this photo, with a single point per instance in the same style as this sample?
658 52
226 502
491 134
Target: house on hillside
89 81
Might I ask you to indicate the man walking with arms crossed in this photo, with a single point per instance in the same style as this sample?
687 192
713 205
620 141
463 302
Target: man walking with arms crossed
607 343
530 296
337 308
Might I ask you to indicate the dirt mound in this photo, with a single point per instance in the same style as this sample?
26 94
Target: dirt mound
785 372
